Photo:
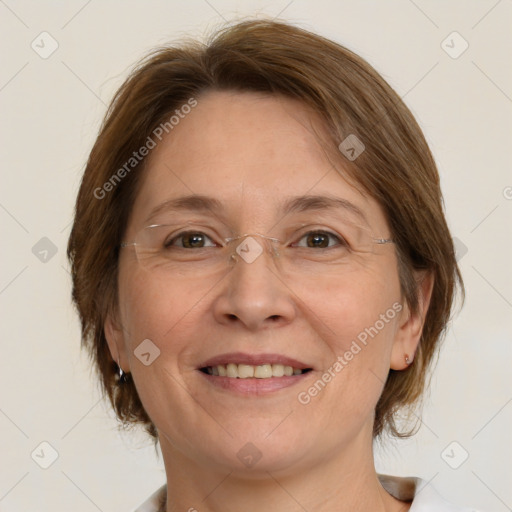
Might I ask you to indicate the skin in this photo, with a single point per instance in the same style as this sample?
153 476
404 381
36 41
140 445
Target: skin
250 151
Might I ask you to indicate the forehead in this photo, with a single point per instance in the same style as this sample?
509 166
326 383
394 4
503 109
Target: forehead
249 152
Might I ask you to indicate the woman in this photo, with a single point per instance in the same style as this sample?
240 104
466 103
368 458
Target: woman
263 271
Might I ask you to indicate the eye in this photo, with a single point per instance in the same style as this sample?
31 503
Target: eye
320 239
190 240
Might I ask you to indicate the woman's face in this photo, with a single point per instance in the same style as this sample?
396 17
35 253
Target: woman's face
318 306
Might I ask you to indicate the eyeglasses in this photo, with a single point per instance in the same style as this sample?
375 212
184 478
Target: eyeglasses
195 250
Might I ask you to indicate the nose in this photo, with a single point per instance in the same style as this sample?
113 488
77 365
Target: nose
253 293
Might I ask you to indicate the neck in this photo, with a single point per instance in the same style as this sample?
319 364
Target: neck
341 482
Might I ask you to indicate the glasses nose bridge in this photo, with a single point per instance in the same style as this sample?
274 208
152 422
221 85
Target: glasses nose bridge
250 246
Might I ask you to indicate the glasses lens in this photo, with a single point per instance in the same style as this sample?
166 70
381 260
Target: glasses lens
195 250
171 248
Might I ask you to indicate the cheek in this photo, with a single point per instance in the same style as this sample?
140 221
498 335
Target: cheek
355 302
159 321
156 309
360 319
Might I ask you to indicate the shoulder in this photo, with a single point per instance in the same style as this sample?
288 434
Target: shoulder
423 494
156 502
426 499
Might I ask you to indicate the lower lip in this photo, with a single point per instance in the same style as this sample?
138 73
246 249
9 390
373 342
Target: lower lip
253 386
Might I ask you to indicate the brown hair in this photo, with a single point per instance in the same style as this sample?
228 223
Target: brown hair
396 168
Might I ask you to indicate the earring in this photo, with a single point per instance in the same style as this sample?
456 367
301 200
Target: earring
120 373
407 360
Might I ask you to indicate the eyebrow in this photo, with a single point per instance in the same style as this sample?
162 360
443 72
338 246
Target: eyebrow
194 202
321 202
202 203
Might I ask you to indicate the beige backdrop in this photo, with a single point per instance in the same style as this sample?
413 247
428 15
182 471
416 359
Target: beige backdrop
61 63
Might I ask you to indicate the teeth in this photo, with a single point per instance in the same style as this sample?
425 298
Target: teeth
263 371
232 370
277 370
247 371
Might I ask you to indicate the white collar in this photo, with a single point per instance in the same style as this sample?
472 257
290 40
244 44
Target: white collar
424 497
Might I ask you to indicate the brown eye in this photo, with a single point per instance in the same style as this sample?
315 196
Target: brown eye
190 240
193 240
320 240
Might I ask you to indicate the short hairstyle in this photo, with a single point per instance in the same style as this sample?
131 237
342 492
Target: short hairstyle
396 168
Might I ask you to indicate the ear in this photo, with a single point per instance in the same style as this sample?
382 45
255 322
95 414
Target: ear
411 324
116 341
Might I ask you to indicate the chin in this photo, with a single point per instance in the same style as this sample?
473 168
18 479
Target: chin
256 451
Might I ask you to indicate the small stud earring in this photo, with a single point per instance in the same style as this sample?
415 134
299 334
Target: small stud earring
407 360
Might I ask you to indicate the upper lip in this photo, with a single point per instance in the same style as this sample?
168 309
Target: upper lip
254 360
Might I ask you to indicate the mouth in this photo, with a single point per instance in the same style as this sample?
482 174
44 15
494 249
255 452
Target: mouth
247 371
239 365
253 374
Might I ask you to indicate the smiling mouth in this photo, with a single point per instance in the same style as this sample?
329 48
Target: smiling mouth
247 371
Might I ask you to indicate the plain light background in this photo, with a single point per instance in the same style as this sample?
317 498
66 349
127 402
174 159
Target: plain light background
51 109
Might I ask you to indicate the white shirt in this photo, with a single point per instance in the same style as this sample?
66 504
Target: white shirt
424 497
